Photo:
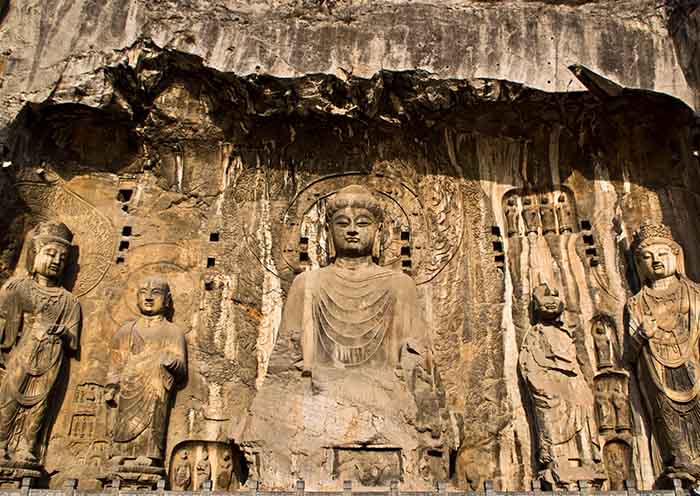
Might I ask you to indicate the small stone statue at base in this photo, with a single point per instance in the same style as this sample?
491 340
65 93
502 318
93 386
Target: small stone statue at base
567 447
148 360
39 324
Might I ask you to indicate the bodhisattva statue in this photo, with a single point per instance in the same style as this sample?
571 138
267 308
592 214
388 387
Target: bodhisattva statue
567 446
148 360
663 330
351 347
39 323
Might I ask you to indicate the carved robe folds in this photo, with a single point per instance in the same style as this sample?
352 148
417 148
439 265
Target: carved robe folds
562 402
40 325
348 376
146 364
668 367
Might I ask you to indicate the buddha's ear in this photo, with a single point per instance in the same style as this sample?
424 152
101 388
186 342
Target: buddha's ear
378 243
331 246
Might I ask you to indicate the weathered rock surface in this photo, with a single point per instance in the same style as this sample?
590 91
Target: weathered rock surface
178 138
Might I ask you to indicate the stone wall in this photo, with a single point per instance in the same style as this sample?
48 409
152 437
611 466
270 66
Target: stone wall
173 138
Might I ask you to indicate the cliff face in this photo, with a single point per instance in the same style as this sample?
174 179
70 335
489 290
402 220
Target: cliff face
197 139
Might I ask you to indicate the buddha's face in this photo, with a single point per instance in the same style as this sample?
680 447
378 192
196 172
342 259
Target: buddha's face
657 261
548 303
50 260
353 230
153 298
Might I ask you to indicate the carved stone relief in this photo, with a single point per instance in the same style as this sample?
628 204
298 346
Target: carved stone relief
148 362
41 323
371 467
662 336
539 213
195 462
568 447
351 332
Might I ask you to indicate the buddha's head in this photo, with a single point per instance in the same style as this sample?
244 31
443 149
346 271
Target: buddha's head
354 220
656 253
49 250
547 305
154 296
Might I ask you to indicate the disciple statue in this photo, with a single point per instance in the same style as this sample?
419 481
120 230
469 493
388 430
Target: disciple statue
352 347
39 324
148 360
663 331
567 448
225 473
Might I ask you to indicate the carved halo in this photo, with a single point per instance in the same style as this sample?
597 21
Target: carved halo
94 236
428 230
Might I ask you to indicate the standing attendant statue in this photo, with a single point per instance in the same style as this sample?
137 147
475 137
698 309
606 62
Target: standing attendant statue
567 447
148 360
663 330
39 324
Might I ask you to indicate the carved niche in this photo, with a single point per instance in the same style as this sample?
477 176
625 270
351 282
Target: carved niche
543 213
195 462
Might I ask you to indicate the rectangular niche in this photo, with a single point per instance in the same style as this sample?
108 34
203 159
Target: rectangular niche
368 465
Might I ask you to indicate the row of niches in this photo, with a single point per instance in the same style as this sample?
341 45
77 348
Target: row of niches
543 213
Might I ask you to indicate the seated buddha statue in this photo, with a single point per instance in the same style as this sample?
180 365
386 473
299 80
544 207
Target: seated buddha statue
351 365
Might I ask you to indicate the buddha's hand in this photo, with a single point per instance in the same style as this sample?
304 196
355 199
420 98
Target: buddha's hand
111 394
647 328
168 360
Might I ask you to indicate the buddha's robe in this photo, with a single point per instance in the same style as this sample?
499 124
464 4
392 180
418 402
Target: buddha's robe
146 364
562 399
39 325
668 365
345 317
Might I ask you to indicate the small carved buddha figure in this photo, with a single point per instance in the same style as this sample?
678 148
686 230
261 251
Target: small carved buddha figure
183 473
603 348
531 215
549 217
39 323
565 214
148 360
225 473
663 331
604 407
512 217
567 448
622 408
203 468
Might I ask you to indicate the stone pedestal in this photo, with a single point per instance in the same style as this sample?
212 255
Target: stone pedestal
134 477
13 473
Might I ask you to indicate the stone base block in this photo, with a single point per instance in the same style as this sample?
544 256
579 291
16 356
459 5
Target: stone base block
134 477
13 473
